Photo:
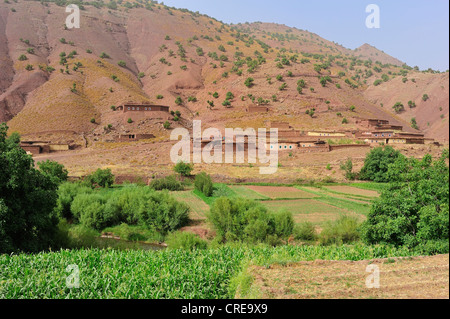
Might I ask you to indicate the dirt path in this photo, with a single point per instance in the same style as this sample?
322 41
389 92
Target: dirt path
400 278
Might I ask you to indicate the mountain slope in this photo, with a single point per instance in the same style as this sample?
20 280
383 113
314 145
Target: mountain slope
177 53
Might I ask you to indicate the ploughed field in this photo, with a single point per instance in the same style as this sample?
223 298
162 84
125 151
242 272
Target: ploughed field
400 278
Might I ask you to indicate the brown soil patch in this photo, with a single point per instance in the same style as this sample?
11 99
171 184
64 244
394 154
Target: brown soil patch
400 278
353 191
281 192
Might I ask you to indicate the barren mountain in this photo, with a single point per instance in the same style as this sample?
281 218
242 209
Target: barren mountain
55 79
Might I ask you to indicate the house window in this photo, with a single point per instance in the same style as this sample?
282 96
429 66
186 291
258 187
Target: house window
285 147
271 147
132 108
137 109
149 108
146 109
281 147
290 147
129 108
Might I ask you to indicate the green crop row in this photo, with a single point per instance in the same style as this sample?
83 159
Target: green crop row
171 274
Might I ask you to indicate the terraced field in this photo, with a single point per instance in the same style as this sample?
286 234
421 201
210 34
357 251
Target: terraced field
198 207
281 192
313 204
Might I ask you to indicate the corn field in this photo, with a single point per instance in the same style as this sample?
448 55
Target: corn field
170 274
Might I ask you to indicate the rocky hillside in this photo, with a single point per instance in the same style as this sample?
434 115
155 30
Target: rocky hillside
55 79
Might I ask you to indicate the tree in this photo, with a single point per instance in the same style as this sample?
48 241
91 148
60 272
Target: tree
57 172
414 123
347 167
398 107
27 201
100 178
377 163
178 101
249 82
414 208
184 169
204 184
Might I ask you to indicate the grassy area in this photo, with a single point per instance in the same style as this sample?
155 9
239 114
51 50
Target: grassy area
379 187
198 206
317 204
220 190
175 274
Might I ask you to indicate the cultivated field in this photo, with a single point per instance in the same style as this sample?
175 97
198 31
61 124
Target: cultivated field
281 192
400 278
198 207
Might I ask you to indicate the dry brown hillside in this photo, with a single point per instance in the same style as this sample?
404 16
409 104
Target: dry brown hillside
75 76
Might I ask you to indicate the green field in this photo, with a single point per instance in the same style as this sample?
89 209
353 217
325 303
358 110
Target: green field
174 274
198 207
314 204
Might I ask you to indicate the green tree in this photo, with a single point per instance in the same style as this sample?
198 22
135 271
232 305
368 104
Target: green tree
100 178
414 209
249 82
178 101
27 201
204 184
377 163
184 169
347 167
56 171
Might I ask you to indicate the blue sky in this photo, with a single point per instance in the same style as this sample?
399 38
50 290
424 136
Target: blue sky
414 31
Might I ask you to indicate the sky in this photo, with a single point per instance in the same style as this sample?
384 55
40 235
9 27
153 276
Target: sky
413 31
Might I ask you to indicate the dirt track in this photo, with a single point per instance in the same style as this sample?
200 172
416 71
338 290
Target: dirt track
400 278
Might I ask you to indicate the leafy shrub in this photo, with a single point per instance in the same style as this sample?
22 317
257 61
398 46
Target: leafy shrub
131 205
122 63
186 241
238 219
249 82
398 107
347 167
305 231
204 184
284 224
170 183
342 231
100 178
184 169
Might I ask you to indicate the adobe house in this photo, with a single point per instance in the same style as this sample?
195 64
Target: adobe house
134 137
300 144
327 134
35 147
371 123
284 130
135 107
408 138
